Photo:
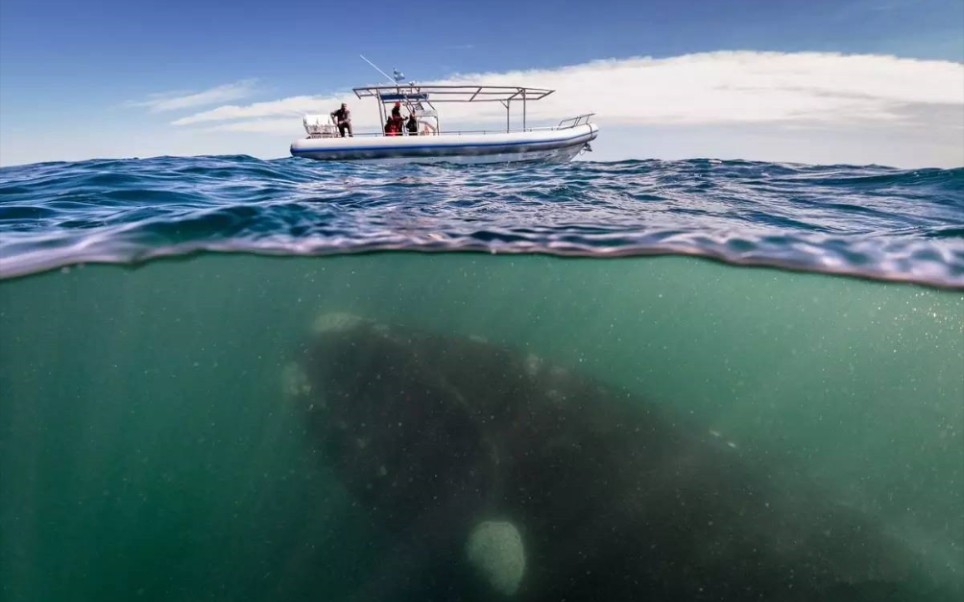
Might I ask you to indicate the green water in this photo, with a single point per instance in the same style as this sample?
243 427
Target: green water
146 451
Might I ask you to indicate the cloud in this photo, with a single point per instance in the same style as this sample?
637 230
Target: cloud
174 101
743 87
292 106
716 88
287 125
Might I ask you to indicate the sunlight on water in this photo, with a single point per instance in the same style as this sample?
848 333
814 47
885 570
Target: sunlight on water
147 449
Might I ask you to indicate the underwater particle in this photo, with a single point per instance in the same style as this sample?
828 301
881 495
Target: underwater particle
335 322
533 364
495 550
295 381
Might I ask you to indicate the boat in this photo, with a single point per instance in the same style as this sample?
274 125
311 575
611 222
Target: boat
431 143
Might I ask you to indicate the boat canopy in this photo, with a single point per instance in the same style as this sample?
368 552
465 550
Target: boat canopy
451 93
402 97
414 95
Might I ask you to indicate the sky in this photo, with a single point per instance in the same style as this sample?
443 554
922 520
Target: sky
822 81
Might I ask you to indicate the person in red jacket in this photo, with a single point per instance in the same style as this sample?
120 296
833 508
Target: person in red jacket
396 118
391 129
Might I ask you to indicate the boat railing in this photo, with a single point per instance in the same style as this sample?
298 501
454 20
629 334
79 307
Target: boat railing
448 133
565 124
574 121
430 134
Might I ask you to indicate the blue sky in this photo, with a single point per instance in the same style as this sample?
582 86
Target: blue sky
78 69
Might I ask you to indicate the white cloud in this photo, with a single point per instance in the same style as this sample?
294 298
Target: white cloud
174 101
261 126
291 106
718 88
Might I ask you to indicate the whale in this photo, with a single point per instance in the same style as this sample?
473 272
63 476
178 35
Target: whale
491 473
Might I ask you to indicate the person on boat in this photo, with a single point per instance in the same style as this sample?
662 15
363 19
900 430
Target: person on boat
391 128
342 118
396 117
412 125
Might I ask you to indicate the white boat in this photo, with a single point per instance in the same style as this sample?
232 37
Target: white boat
432 143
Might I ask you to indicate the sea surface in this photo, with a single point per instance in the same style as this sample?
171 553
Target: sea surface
149 310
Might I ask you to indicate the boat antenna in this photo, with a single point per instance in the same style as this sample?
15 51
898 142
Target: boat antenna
375 67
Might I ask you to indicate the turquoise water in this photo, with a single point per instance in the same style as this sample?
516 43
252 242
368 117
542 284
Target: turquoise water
148 448
808 319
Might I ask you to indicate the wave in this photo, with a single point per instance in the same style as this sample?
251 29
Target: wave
867 221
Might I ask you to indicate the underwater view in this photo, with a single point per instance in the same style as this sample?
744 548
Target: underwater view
230 379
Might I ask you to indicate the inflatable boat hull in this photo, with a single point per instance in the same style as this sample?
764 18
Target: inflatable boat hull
558 145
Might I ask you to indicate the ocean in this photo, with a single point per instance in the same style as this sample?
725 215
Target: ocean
810 317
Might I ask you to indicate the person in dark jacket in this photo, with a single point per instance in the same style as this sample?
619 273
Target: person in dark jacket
342 118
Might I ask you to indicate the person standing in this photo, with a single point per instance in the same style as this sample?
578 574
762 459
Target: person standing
397 120
342 118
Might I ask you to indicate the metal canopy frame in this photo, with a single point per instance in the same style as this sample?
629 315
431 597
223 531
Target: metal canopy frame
413 95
